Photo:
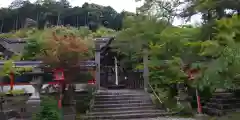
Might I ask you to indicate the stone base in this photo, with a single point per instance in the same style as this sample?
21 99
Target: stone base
201 117
33 106
69 117
3 116
34 101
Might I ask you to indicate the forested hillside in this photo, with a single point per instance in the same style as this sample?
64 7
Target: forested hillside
51 12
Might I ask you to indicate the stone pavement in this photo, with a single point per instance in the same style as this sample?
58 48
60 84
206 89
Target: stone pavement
166 118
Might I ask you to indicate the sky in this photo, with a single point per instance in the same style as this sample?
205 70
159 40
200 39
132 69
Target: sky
118 5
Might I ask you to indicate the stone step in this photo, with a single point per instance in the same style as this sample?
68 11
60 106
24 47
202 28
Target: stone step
119 96
125 112
124 108
213 111
124 91
115 87
122 98
222 95
224 100
121 105
122 101
126 116
218 112
223 106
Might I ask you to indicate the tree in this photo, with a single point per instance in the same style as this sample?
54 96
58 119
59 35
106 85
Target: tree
65 51
162 9
3 14
138 32
58 13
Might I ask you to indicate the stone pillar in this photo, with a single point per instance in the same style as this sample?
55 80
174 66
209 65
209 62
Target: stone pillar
145 70
97 61
34 101
183 99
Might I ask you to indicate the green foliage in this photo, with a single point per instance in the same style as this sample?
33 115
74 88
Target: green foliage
36 40
32 49
16 92
8 68
102 31
171 48
49 110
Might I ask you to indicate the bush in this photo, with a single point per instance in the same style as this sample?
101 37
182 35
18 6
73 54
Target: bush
49 110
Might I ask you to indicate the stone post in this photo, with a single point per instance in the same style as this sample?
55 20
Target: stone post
146 70
183 99
97 61
34 101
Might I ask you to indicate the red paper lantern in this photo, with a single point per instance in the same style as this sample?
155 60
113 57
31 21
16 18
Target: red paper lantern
58 74
91 82
191 73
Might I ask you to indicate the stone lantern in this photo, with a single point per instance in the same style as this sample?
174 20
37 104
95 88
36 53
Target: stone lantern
34 101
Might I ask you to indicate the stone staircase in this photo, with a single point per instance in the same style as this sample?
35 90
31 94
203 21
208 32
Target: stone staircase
123 104
222 103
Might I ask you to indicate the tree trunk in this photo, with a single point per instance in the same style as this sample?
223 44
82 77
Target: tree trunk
17 23
37 17
77 20
58 19
68 95
2 26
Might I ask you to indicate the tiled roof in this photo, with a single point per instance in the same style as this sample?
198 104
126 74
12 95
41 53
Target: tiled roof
13 40
105 41
37 63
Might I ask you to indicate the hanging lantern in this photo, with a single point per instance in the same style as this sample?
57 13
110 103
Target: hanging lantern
58 74
91 82
192 73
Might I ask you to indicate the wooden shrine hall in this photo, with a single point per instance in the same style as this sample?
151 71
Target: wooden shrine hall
109 73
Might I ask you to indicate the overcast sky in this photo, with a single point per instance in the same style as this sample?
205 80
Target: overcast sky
118 5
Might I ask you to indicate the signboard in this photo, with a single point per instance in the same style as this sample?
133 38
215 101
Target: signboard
58 74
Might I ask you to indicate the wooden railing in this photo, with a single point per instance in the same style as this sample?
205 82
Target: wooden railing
157 96
134 80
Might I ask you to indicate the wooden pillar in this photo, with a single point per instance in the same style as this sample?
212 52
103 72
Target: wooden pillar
116 71
97 61
145 70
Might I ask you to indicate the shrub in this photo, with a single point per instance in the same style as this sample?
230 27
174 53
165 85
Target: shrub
49 110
